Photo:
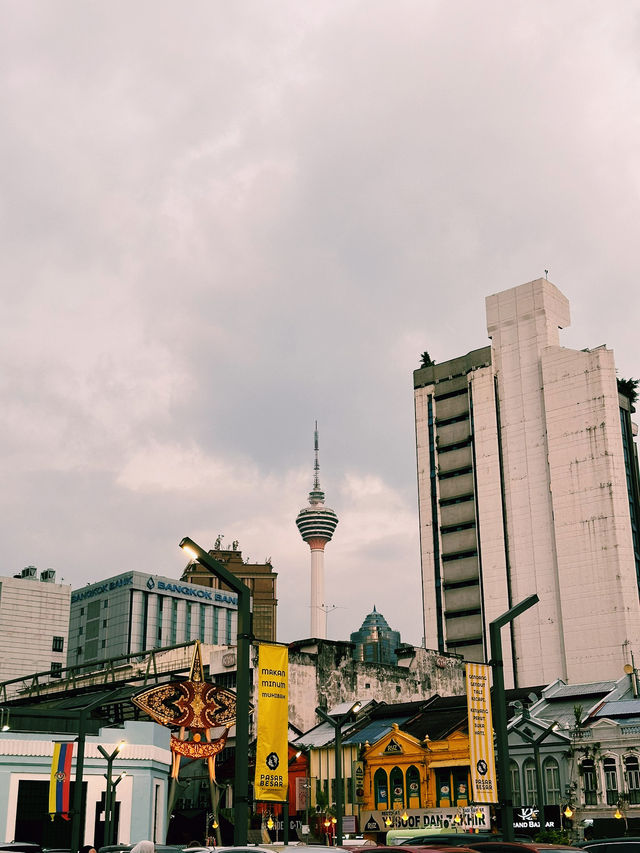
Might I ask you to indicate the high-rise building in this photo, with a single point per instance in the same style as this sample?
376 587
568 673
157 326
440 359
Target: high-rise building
528 483
34 623
376 642
316 524
136 611
259 577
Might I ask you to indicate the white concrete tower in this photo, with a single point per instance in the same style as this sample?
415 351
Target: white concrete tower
316 524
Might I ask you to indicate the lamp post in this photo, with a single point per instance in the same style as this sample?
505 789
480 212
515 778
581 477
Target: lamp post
109 797
535 743
336 725
499 710
241 792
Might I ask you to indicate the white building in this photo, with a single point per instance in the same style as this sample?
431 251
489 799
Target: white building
528 483
136 611
34 623
141 795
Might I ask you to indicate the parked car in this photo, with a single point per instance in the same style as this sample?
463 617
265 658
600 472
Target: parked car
21 847
520 847
630 844
454 839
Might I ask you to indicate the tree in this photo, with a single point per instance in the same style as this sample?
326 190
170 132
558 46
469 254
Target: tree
426 360
629 387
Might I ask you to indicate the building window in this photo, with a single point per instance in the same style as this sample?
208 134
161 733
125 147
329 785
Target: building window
413 787
530 788
58 644
516 791
452 786
632 777
610 780
396 783
229 615
552 781
589 783
56 670
215 626
381 789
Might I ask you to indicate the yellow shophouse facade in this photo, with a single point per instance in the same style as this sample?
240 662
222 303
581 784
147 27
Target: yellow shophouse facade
416 784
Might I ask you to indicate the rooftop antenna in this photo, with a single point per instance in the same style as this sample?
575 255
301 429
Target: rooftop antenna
546 274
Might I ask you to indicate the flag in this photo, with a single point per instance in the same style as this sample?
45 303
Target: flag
272 753
60 782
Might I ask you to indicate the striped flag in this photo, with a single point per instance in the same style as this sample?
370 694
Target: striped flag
60 783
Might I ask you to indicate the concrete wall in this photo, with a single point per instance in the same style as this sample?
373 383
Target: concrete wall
323 673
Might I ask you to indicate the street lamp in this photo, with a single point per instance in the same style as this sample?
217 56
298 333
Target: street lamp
336 724
499 714
241 792
535 743
109 797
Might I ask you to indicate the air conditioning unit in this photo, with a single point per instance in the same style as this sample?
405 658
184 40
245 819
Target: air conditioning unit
48 576
29 572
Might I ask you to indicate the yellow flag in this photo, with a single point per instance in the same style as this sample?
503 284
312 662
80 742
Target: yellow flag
482 755
272 754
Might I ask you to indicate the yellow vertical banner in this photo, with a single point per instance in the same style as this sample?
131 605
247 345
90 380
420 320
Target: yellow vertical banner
272 753
482 755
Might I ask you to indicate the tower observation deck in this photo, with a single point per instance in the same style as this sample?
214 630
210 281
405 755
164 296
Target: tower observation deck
316 524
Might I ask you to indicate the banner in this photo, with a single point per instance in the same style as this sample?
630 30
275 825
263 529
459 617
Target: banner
272 753
60 782
483 763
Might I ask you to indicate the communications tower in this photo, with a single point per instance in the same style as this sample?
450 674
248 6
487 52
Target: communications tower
316 524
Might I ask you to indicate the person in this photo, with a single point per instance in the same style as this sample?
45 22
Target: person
88 848
144 847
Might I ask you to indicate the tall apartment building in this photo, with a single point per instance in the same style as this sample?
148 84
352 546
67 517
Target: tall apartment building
259 577
34 623
528 482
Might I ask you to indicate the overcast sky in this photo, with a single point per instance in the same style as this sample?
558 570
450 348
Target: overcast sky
221 221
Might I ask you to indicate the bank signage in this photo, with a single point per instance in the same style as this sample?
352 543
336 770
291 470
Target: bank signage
162 585
464 818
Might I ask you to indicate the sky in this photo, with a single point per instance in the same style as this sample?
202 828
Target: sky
221 222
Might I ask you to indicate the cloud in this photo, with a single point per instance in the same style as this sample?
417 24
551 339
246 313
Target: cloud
219 227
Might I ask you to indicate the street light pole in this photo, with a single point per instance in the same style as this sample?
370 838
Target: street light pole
535 743
245 636
499 711
110 791
337 728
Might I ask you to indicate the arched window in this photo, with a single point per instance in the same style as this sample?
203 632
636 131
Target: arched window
396 783
610 780
516 791
413 787
551 775
589 782
632 778
530 787
381 789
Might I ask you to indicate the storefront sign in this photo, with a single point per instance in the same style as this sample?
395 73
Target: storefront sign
464 818
528 817
357 774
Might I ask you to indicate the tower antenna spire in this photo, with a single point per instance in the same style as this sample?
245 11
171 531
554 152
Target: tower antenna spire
316 464
316 524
